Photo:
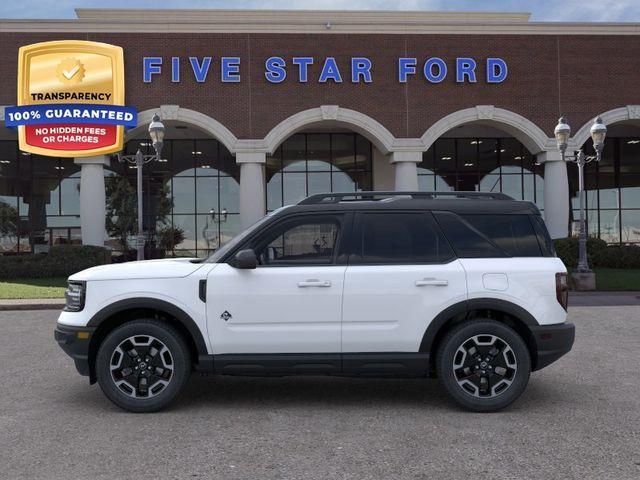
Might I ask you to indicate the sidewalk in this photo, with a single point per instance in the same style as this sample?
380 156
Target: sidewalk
576 299
603 299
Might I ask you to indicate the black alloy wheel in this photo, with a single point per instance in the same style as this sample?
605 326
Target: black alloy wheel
483 364
142 365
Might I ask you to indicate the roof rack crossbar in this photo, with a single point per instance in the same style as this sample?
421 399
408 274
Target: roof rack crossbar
359 196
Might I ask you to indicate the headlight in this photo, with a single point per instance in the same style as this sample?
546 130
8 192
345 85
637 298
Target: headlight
74 296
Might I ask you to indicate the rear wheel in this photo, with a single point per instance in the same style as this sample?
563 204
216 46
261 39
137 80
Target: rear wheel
483 365
143 365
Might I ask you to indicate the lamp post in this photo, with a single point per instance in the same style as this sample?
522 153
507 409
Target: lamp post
156 133
598 133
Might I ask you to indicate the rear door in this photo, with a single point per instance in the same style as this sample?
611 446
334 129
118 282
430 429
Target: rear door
401 274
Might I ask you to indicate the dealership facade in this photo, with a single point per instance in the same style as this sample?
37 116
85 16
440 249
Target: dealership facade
263 108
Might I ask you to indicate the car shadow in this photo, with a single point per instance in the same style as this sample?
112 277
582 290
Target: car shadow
302 392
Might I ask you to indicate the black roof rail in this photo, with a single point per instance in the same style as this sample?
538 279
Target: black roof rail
360 196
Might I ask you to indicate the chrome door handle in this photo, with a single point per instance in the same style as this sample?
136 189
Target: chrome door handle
314 283
433 282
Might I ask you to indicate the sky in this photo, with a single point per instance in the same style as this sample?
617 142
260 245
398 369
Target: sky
542 10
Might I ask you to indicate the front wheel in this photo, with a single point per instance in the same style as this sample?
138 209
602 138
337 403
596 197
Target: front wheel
483 365
142 365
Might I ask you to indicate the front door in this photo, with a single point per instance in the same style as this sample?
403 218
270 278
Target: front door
291 303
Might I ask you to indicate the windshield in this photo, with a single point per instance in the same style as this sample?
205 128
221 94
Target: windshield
238 239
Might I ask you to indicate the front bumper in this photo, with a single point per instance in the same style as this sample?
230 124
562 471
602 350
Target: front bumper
75 342
552 342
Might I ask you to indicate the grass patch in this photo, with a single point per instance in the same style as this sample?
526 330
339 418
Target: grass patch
33 288
617 279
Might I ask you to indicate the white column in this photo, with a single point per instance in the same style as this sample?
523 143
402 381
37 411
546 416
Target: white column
556 194
92 199
252 187
406 167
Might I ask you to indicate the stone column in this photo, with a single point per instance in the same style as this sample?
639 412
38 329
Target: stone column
556 194
92 199
406 168
252 186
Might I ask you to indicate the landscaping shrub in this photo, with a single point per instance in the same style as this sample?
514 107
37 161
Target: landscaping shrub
617 256
599 254
567 250
61 261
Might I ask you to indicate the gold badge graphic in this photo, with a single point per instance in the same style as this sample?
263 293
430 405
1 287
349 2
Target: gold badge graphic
71 99
70 71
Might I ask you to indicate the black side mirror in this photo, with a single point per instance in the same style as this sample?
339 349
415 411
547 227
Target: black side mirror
245 259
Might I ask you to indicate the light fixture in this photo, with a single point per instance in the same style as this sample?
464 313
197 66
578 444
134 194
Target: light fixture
205 166
562 133
598 133
517 158
446 158
502 150
5 161
476 142
633 142
468 164
156 132
197 152
58 168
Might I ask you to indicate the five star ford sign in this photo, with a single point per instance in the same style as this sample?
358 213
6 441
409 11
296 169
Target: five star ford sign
71 99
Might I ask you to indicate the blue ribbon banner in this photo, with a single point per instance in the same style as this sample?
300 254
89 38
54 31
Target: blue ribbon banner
61 113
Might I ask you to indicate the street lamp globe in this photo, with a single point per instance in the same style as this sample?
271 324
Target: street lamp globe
562 133
598 133
156 132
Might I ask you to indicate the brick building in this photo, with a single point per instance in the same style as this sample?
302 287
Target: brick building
265 107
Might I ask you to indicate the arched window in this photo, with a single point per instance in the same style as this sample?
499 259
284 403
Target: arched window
482 164
308 163
191 197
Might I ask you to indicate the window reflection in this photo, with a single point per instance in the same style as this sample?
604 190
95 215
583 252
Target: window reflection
308 163
612 188
200 180
481 164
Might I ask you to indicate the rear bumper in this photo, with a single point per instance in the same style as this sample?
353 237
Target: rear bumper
75 343
552 342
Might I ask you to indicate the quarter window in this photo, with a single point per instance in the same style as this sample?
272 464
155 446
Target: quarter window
402 238
466 240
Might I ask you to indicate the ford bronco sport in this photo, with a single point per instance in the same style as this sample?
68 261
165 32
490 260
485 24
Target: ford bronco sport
463 286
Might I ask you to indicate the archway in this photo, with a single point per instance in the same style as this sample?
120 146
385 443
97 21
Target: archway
331 115
328 148
519 127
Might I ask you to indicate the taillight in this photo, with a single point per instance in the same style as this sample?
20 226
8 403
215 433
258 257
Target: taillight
562 289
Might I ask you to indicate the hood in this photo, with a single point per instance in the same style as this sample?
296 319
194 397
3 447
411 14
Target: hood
151 269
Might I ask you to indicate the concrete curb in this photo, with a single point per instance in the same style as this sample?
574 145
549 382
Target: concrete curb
31 304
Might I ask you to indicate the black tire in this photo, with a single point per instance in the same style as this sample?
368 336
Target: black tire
480 385
164 374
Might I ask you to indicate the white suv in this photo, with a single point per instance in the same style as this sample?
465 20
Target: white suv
462 286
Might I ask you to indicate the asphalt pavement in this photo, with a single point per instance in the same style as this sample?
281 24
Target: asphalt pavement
579 418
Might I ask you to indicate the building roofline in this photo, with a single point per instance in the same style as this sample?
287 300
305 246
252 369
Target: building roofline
310 21
248 15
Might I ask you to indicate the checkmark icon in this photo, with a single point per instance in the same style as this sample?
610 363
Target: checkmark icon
68 74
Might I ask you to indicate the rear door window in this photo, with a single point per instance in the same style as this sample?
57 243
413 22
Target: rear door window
512 233
401 238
